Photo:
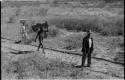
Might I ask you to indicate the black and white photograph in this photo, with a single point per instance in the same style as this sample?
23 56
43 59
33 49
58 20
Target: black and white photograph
62 39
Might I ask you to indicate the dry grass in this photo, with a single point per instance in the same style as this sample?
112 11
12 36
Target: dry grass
32 65
53 31
73 41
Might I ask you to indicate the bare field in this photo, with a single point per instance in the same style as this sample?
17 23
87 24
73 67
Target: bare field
68 22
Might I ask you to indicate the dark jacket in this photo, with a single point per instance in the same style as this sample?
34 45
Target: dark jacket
85 46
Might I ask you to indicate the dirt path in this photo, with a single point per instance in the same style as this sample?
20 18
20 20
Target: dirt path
98 68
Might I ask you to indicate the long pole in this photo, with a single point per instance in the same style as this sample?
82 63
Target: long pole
45 61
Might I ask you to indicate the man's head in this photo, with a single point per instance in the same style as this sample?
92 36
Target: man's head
23 22
88 33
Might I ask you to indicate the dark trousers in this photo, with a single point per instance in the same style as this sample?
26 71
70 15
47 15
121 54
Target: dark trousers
84 56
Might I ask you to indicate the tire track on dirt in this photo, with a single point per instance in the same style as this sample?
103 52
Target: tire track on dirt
71 52
97 66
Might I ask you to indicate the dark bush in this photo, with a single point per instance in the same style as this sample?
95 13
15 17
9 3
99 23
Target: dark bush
105 25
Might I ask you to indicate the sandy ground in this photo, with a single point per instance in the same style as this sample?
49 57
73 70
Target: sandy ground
98 68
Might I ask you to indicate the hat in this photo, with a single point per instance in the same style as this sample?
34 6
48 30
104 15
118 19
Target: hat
89 31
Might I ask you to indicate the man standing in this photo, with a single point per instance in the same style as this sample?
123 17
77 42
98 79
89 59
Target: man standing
23 29
87 49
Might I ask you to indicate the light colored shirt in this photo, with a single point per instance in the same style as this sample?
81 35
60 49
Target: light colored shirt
90 42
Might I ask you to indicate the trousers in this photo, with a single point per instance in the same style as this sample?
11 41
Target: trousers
86 56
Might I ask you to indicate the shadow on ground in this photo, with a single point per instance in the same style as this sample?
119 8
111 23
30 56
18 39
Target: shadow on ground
21 52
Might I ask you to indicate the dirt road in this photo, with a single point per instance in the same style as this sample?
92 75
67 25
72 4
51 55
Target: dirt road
98 68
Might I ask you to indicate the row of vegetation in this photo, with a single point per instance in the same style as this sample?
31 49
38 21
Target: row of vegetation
58 2
108 26
105 25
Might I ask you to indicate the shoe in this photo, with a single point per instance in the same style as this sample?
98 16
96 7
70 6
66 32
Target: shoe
17 42
88 65
79 66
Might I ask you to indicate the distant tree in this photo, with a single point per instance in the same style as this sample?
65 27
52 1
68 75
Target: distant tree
112 0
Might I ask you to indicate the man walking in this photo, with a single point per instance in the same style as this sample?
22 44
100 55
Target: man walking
87 49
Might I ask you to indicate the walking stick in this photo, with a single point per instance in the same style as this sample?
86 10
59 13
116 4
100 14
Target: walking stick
45 61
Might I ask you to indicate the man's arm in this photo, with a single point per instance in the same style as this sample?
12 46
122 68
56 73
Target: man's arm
92 48
36 37
83 45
